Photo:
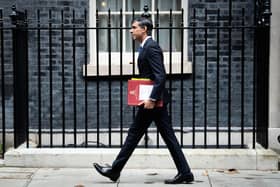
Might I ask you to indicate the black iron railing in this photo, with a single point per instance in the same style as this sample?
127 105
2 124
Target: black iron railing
66 109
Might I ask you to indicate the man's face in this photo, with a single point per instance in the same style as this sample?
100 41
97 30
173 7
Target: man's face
137 32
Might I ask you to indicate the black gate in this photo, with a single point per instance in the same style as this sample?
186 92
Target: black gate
223 102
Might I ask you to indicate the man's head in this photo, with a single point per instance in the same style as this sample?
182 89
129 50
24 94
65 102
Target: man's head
141 28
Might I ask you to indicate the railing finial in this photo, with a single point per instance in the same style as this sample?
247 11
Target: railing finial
17 17
146 14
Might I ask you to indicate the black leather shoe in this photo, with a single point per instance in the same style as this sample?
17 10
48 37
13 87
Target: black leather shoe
107 172
180 179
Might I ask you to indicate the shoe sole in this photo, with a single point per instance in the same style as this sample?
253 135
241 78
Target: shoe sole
97 169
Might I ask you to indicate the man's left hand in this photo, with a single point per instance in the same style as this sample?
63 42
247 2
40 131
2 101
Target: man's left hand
148 104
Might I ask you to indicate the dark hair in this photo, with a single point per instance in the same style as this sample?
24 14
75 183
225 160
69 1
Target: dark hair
145 22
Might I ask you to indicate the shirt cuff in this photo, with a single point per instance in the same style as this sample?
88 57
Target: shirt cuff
153 99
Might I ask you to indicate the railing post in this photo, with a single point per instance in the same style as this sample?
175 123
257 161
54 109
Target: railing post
262 71
19 37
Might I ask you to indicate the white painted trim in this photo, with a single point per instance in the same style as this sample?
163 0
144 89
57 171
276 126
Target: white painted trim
274 77
127 56
128 65
92 35
185 6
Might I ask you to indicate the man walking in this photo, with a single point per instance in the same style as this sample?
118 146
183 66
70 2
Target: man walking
150 65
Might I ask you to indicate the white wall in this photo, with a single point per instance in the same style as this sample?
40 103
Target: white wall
274 89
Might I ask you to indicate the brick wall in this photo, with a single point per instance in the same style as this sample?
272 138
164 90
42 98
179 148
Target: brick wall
235 61
7 50
56 55
69 5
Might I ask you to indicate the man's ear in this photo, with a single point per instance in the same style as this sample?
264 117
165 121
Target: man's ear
146 28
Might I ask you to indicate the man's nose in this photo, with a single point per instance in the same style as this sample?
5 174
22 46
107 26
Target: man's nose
130 30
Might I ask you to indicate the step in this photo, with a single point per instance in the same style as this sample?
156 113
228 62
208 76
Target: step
245 159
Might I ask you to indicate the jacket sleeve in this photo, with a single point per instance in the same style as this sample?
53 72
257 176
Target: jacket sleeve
155 59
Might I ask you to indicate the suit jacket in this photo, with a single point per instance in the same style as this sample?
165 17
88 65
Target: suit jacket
150 65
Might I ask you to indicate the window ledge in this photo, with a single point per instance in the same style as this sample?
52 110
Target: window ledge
128 69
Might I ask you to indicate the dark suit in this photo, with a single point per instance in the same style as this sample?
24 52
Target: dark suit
150 64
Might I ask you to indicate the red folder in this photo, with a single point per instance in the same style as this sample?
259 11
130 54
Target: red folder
139 90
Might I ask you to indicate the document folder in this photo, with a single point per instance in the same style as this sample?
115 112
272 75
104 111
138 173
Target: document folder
139 90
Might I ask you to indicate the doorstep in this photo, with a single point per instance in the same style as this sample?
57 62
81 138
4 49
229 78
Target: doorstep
242 159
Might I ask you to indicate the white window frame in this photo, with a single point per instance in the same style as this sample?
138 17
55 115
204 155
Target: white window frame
127 56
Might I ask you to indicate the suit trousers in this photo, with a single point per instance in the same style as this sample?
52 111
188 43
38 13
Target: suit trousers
143 119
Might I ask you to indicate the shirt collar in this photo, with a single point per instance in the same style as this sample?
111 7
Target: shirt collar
144 41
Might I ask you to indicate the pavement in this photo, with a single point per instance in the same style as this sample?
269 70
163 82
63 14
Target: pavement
88 177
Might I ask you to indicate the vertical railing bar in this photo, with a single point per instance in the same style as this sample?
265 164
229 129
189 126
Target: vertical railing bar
74 80
133 61
182 81
39 79
133 51
229 73
27 83
242 78
146 138
109 81
121 73
62 78
157 34
254 80
170 61
14 82
218 82
194 74
97 80
3 86
50 74
86 75
205 79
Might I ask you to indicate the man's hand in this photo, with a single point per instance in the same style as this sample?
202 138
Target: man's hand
148 104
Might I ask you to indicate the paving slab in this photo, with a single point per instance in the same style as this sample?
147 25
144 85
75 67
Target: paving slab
85 177
57 177
13 182
156 177
88 177
250 178
16 177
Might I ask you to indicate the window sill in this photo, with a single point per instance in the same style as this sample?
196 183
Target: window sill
128 69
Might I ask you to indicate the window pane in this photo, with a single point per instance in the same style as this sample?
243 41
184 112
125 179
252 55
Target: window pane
164 5
103 34
105 5
138 5
165 33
